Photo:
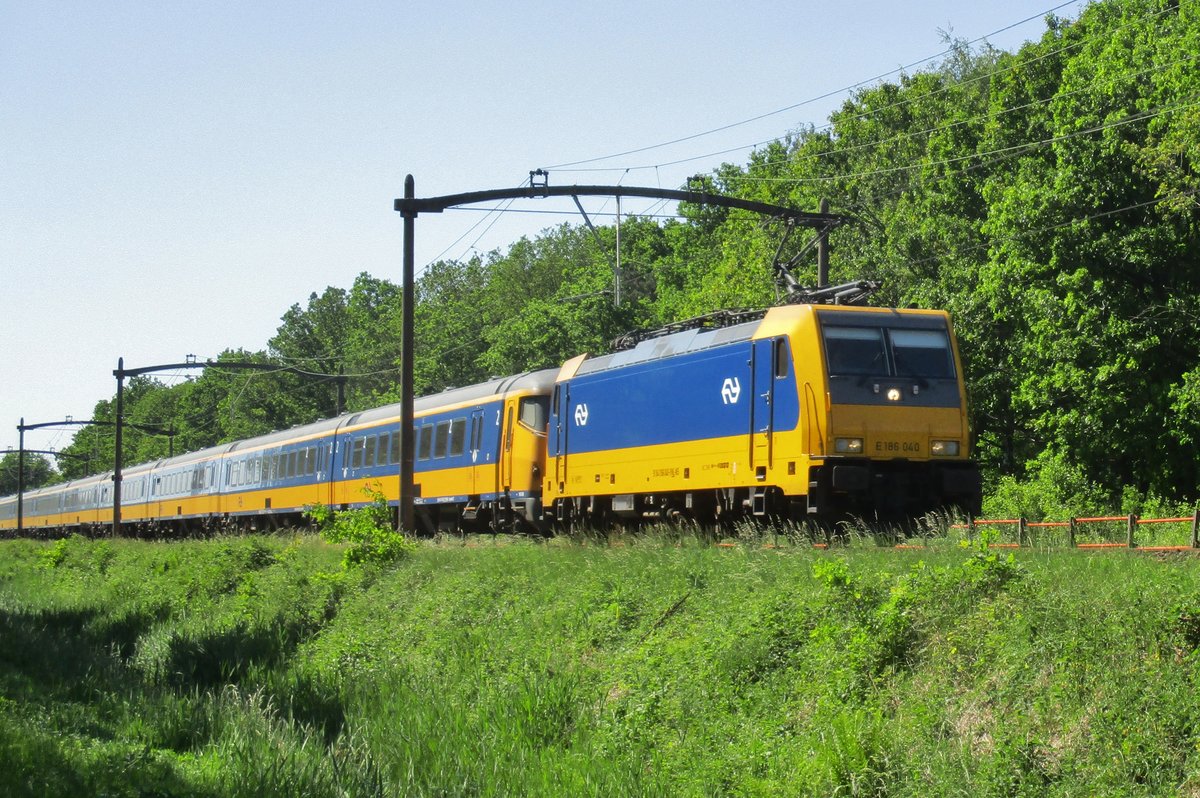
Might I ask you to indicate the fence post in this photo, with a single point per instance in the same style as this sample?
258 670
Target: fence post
1132 524
1071 532
1022 524
1196 527
971 526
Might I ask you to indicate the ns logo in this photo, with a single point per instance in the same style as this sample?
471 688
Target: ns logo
731 389
581 415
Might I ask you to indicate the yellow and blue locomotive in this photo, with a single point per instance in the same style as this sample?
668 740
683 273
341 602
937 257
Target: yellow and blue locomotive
811 411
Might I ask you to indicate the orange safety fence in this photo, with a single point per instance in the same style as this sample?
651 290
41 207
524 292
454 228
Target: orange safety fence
1131 520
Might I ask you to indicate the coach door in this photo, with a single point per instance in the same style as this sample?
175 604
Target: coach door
506 446
762 407
482 474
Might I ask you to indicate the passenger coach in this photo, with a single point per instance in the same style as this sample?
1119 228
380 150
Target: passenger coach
480 452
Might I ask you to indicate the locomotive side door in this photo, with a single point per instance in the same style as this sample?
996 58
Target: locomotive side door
762 407
562 400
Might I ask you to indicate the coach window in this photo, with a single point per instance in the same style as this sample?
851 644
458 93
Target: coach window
394 449
476 432
424 442
372 444
441 439
356 457
458 437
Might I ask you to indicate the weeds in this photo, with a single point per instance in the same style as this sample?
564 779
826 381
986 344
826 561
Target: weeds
663 666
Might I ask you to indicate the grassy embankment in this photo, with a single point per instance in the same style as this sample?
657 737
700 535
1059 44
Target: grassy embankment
258 666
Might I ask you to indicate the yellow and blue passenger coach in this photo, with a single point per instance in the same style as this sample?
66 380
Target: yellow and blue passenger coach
478 464
808 412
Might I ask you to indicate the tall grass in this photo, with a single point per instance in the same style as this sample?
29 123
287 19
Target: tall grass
657 664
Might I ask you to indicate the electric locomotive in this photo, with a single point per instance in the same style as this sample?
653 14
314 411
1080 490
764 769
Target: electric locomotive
807 411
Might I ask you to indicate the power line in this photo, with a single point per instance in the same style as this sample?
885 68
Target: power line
990 241
1006 152
909 100
809 101
981 118
491 223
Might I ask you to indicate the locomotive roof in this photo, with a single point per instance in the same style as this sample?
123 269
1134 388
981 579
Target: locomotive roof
700 338
669 345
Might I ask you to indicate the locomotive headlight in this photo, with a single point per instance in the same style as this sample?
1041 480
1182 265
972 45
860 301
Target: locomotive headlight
943 448
848 445
893 394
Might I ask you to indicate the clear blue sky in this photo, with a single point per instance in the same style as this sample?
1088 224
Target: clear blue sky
174 176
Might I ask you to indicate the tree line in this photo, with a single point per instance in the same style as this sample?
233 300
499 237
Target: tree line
1046 197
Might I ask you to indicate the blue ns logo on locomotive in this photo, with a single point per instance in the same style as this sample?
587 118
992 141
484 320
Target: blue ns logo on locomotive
712 393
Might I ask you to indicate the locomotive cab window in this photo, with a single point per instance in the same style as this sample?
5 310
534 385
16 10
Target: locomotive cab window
855 351
888 352
922 353
780 354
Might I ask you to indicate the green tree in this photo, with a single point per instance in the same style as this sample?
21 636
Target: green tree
38 472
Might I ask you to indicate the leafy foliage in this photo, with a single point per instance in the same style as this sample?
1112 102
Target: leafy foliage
368 531
38 471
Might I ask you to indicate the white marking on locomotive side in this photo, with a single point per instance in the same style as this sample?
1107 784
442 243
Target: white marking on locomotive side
581 415
731 389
